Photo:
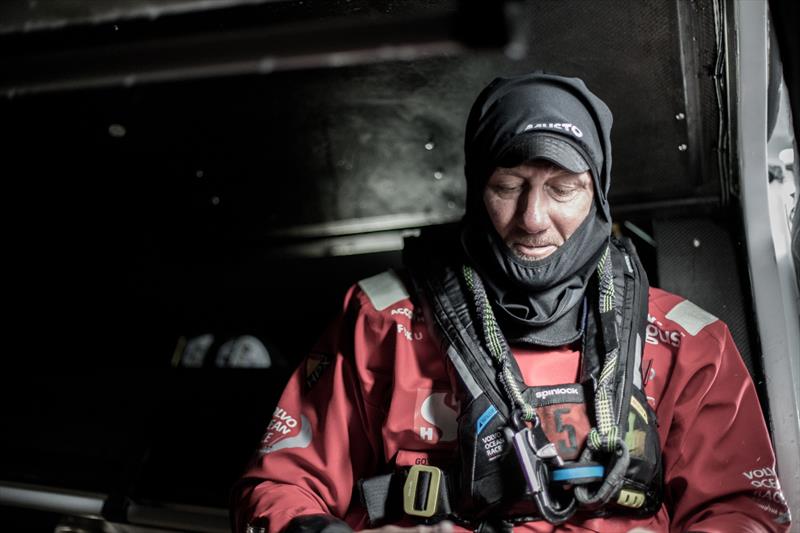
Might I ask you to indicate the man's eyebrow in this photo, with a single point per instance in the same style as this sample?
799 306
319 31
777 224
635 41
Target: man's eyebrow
507 172
565 174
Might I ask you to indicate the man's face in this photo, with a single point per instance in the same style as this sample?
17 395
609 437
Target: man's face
536 206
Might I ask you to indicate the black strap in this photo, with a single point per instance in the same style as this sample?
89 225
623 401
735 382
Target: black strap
495 526
317 523
633 323
379 496
442 288
382 497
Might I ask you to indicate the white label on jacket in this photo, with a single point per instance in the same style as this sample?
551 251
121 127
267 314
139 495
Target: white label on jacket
690 317
384 289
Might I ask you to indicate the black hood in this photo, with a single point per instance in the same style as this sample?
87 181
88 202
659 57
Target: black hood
537 116
512 115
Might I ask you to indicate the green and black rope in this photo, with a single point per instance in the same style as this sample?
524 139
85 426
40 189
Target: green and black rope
605 434
498 347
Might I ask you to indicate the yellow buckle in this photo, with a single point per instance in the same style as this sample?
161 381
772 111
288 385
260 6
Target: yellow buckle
631 498
410 491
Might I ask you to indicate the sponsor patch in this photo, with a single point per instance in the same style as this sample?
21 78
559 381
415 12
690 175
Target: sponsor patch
409 334
403 311
435 415
286 431
493 445
543 394
549 395
413 315
767 491
656 335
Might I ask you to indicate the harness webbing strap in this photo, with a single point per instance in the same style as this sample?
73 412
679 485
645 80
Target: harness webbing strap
498 347
605 434
614 387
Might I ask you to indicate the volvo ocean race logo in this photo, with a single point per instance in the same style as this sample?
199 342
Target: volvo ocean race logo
285 431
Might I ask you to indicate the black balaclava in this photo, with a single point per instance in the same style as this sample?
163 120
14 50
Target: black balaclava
537 116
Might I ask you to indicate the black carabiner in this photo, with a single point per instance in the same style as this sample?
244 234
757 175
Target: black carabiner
552 511
613 482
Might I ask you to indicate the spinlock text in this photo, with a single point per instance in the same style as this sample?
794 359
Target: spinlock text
542 394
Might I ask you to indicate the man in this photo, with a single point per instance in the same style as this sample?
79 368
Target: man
520 373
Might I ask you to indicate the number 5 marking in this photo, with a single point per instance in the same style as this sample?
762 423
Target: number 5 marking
570 445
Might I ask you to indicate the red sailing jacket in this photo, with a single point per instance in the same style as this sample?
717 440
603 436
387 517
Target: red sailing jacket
376 389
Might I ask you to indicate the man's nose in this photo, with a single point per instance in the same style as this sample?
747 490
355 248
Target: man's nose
532 212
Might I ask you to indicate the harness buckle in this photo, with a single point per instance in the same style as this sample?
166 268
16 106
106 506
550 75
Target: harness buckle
429 479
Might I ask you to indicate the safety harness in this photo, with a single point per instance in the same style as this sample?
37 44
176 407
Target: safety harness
619 469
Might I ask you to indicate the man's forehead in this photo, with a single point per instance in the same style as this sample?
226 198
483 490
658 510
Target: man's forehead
541 168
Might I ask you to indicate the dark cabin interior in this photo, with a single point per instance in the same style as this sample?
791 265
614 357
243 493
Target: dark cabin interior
180 173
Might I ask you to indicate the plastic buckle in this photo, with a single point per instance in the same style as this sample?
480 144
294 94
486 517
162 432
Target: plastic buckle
410 491
631 498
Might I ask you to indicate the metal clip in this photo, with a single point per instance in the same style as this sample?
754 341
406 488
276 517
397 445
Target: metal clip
542 445
532 450
529 460
431 495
